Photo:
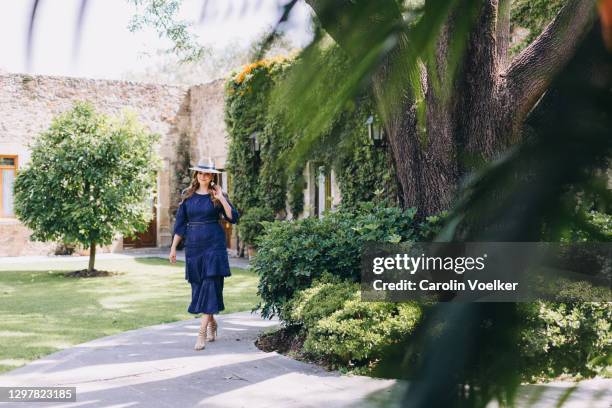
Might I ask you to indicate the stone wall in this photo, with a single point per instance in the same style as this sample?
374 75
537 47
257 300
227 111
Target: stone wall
14 241
208 133
30 102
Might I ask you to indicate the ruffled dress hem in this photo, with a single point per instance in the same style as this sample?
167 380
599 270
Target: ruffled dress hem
207 296
207 265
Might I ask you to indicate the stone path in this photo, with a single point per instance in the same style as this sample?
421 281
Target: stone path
157 367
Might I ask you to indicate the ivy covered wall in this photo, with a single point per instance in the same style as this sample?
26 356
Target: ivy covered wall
261 184
246 113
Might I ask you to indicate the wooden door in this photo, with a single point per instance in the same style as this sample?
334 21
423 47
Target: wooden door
145 239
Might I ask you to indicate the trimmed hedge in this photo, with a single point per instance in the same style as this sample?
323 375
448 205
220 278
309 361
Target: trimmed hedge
556 339
326 296
566 338
344 331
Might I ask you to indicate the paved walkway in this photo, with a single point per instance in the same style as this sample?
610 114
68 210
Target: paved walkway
157 367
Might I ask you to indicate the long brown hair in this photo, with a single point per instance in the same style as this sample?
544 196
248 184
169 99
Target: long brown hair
195 185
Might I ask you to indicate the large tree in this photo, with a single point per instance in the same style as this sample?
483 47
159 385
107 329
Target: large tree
449 93
453 122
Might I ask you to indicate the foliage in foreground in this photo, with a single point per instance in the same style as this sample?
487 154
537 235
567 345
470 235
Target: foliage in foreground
555 339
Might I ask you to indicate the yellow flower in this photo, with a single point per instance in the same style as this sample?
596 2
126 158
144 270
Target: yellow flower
267 63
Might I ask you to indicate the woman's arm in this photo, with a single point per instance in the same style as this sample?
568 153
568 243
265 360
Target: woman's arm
180 228
229 212
227 208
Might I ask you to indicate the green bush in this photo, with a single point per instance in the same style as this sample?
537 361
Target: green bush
597 226
344 331
556 339
357 333
250 225
566 338
310 305
293 253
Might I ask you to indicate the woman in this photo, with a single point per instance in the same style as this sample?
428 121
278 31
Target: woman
197 221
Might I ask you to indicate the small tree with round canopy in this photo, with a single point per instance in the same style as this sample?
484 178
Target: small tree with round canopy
90 177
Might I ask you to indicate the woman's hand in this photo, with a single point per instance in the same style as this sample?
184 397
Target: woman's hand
218 192
172 256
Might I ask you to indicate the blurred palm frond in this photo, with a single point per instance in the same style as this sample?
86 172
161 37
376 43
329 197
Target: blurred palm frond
394 41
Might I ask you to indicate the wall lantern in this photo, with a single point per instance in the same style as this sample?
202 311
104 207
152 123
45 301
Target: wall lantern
255 142
375 132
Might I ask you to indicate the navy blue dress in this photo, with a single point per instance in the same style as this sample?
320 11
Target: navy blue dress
197 222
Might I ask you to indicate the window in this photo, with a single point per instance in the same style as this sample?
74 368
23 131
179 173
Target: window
8 169
228 183
322 193
328 197
221 182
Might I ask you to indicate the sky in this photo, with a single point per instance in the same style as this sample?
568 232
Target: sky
109 50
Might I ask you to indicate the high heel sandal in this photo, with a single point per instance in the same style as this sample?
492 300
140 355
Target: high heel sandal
201 341
211 331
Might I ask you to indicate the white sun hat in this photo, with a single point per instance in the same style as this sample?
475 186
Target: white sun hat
206 165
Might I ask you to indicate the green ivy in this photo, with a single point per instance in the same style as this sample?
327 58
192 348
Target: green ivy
533 15
257 179
364 173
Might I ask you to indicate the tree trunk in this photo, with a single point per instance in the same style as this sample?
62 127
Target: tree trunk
92 257
488 100
461 130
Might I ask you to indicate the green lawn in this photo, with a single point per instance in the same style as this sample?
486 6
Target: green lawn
41 311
